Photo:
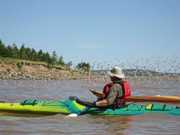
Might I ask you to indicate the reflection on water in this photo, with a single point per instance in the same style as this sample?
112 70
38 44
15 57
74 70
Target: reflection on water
86 124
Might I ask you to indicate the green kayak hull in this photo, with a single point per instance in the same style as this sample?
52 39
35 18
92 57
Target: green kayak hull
42 107
129 109
69 106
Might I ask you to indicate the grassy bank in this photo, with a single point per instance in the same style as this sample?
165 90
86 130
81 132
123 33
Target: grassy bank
17 62
35 70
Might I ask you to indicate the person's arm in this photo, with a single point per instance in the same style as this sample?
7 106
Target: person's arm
102 103
97 94
111 97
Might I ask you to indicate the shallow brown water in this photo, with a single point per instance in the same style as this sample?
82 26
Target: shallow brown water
151 124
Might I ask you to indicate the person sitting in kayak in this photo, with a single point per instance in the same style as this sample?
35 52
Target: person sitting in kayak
114 93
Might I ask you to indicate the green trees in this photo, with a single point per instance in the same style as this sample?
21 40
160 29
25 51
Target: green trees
83 66
54 58
27 53
22 54
3 50
14 51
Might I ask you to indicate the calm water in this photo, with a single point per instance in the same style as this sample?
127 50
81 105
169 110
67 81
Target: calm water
151 124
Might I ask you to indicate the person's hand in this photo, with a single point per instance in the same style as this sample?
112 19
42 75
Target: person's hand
96 93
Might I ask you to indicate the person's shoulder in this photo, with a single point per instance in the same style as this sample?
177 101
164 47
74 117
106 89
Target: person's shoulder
125 81
116 86
108 84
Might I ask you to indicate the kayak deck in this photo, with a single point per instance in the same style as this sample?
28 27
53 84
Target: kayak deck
162 99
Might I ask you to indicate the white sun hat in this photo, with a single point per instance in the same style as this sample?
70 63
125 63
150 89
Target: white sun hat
116 72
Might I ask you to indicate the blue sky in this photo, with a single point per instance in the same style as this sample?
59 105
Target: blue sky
94 30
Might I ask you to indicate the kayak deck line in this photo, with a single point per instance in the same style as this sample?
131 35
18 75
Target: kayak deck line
162 99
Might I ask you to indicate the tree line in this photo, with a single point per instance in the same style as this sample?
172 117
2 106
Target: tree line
26 53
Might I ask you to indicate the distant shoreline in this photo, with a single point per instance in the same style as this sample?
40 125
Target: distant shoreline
13 69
